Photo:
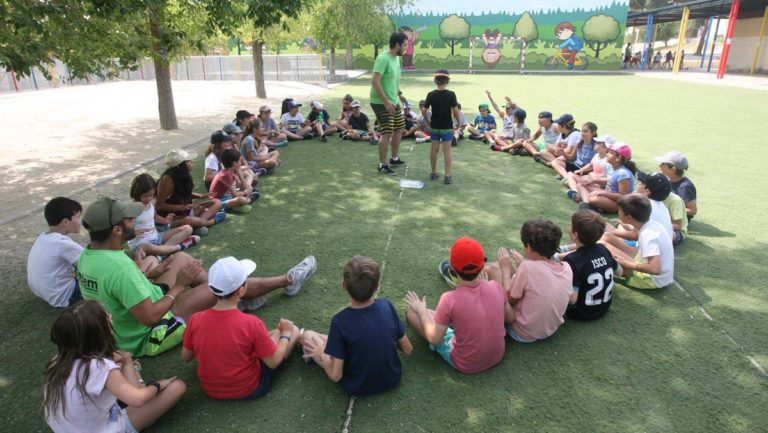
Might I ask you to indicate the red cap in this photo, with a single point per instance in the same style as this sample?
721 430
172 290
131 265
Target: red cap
467 256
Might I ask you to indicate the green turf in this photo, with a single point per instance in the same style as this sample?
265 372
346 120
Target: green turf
654 363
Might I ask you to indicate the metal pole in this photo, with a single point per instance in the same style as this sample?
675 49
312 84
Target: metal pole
759 41
34 79
202 60
13 80
728 36
471 51
648 36
221 70
522 57
706 41
714 43
680 40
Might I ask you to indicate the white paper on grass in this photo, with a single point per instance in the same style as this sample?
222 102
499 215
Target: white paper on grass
409 183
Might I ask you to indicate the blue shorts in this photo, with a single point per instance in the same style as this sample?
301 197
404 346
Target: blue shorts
442 135
513 335
632 244
677 238
267 374
445 348
76 296
158 240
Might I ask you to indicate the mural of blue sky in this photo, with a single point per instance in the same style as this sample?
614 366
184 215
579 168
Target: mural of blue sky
514 6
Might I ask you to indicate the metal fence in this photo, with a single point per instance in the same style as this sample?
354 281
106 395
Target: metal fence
311 68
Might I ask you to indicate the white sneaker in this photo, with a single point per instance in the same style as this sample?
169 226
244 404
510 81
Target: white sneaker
421 139
252 304
299 274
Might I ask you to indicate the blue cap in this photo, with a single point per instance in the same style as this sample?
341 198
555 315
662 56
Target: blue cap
545 115
520 114
294 104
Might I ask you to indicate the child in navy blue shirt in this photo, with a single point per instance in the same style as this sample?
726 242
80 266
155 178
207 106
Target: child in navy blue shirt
360 351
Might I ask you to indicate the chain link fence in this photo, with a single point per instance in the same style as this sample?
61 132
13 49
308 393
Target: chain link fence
309 68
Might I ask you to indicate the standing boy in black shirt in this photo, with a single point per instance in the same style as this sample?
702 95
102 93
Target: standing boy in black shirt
443 103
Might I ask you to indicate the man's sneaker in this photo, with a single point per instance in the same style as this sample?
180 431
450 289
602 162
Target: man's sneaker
447 273
189 242
324 139
434 176
219 217
384 169
454 142
252 304
299 274
448 180
397 161
200 231
242 209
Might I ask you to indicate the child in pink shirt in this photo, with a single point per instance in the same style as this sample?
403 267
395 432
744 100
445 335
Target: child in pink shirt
541 288
467 329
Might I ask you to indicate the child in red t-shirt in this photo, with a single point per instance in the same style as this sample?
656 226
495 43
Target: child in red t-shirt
236 355
223 185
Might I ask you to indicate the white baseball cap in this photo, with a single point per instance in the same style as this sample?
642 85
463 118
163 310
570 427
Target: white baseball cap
175 157
229 274
607 139
317 104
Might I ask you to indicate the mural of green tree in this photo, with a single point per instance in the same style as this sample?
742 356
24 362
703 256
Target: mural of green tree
526 28
599 31
454 29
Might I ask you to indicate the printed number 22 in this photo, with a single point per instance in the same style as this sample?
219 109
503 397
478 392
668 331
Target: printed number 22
598 279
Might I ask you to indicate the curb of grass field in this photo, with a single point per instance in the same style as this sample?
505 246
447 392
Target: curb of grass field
99 182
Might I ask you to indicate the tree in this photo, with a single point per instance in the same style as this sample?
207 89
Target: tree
526 27
453 29
599 31
89 35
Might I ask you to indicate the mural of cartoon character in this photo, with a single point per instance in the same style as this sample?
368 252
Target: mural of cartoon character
413 36
571 45
491 54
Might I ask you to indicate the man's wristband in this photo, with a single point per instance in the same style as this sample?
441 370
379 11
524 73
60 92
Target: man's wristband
155 384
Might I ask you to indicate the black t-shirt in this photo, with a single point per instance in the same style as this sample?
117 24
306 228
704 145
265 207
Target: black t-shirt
442 103
685 189
360 123
593 268
321 116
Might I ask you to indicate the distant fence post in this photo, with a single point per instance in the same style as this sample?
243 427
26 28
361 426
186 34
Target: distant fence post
221 70
34 79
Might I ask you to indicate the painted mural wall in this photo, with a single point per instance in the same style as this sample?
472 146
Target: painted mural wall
558 35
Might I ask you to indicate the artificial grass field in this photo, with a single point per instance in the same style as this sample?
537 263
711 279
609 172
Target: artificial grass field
655 362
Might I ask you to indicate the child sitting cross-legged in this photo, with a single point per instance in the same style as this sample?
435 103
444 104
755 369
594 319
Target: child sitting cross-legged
237 356
467 328
360 351
223 185
541 288
593 268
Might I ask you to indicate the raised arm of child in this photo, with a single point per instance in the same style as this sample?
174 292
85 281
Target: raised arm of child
493 103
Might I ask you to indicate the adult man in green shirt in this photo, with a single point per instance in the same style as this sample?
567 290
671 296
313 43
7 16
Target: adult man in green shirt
385 92
148 317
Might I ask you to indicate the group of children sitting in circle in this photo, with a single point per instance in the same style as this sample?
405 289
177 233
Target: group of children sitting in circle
152 296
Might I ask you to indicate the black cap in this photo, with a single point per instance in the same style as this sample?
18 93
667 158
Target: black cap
243 114
545 115
657 184
565 119
219 137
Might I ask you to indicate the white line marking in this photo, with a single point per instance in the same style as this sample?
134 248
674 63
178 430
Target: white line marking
720 328
348 419
394 219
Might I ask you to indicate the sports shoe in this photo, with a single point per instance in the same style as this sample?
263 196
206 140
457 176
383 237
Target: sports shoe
475 137
252 304
189 242
538 158
255 195
515 151
200 231
384 169
242 209
564 181
573 195
324 139
420 139
584 205
373 141
299 274
495 147
523 152
454 142
397 161
448 180
282 143
485 140
261 171
219 217
447 273
434 176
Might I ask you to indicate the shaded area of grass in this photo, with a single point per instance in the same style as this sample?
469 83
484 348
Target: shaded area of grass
654 363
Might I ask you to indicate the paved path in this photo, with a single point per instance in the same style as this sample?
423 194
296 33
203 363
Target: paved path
755 82
62 141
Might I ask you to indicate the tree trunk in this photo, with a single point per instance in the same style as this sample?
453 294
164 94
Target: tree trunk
375 51
348 57
258 69
332 66
165 107
452 43
700 47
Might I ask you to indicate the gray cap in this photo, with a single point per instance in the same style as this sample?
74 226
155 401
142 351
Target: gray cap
675 159
231 128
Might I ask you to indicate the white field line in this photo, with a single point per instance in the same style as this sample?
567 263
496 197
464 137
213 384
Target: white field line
348 419
717 326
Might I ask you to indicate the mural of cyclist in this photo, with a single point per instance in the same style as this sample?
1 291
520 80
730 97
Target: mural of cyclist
571 45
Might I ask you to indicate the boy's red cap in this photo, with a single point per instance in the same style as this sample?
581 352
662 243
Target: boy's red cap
467 256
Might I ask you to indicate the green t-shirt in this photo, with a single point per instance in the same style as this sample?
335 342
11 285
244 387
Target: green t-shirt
389 69
112 278
676 207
